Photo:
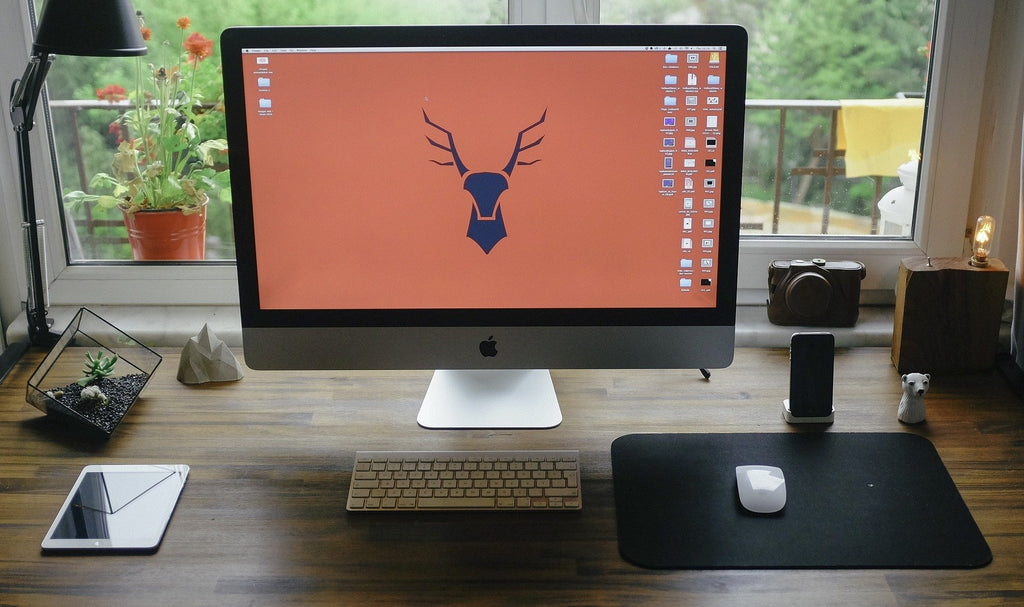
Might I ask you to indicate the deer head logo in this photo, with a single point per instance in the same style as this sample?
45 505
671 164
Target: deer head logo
486 226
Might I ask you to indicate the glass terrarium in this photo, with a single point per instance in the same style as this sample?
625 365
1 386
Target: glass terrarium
93 375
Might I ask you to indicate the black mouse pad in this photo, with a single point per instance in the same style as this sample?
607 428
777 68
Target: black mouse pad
853 500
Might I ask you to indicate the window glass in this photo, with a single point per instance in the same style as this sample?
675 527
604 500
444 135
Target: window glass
92 104
835 108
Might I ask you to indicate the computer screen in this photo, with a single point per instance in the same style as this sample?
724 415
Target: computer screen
486 198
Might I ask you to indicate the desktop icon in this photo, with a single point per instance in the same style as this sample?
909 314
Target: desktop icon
264 103
685 283
669 101
671 80
691 79
671 58
263 82
714 79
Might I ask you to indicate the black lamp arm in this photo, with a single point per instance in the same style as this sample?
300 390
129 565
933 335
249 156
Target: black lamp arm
24 97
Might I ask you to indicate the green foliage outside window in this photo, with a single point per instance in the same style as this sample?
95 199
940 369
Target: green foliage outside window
840 49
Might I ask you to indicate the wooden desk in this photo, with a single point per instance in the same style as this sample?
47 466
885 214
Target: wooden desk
262 519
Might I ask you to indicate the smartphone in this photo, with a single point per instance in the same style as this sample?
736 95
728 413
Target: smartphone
811 370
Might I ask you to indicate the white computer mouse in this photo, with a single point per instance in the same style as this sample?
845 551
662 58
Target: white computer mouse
762 489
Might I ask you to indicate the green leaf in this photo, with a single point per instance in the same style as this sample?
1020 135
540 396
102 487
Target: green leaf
74 199
102 180
107 202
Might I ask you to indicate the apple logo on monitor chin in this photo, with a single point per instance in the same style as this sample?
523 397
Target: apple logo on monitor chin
489 347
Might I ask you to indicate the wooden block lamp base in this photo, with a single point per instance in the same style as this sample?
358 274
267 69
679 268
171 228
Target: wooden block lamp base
947 315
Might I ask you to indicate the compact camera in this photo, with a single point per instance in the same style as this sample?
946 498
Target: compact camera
815 293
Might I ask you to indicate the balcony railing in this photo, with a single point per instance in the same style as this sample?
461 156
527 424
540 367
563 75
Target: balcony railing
825 162
820 159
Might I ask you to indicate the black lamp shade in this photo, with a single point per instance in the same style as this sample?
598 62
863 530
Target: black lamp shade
97 28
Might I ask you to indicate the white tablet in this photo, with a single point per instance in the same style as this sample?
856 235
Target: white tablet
117 508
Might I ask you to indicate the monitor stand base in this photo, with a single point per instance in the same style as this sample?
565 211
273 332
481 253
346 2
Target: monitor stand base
486 398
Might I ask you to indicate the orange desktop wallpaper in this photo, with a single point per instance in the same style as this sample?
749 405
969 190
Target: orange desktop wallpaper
353 211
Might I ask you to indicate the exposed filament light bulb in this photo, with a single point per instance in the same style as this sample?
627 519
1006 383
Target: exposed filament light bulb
981 244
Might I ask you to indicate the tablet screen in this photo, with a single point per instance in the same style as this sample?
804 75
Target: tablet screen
117 507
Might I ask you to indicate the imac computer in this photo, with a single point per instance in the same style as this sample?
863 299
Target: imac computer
487 201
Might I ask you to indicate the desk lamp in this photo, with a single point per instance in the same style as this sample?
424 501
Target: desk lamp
99 28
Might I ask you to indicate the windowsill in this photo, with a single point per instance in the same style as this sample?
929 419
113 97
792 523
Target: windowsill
154 326
873 328
173 325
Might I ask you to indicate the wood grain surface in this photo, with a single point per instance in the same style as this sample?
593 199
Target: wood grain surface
262 518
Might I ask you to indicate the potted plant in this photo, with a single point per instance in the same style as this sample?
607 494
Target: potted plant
164 171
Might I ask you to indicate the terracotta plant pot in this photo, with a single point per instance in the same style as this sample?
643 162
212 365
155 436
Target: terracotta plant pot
166 234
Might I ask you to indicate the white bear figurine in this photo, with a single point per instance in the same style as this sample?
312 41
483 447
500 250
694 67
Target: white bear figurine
911 409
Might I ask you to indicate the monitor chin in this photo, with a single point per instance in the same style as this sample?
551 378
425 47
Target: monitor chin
429 348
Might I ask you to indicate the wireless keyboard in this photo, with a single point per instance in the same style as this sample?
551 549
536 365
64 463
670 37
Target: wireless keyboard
465 480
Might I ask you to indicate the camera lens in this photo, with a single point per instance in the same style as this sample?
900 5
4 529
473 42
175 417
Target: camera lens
808 295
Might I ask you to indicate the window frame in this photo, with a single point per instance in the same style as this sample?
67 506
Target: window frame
953 118
960 47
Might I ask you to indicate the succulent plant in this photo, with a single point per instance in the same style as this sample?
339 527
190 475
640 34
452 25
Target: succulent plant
97 367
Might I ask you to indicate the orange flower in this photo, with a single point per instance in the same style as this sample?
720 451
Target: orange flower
146 33
184 23
198 46
111 93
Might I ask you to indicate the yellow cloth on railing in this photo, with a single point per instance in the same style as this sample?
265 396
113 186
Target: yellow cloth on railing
878 134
